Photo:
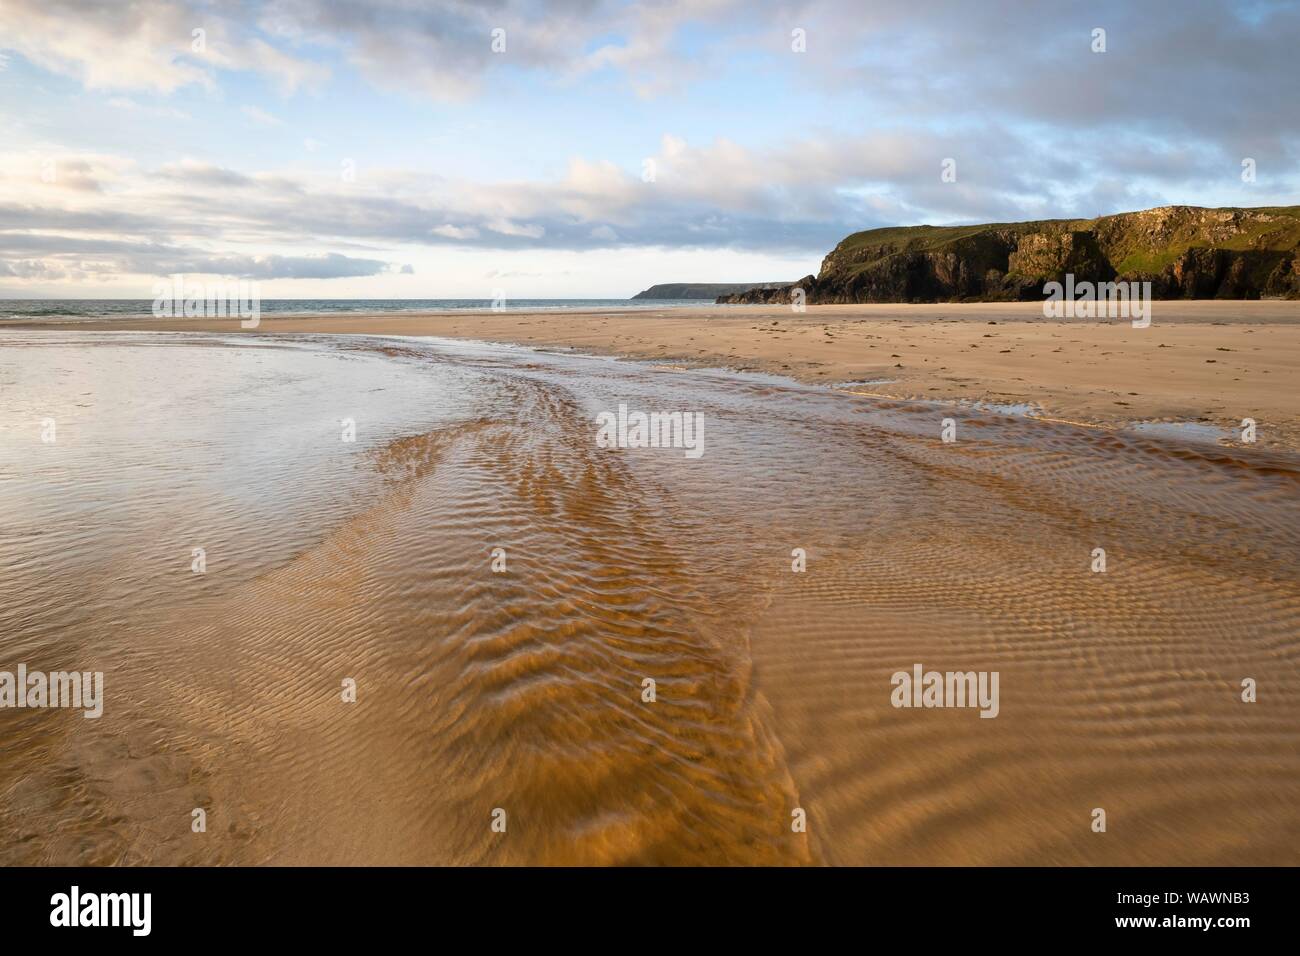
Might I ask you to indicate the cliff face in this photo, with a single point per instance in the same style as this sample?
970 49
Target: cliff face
1185 252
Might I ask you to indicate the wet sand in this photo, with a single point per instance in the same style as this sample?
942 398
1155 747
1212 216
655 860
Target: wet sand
523 690
1211 362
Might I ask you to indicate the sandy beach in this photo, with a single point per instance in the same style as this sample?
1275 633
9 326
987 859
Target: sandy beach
348 495
1208 362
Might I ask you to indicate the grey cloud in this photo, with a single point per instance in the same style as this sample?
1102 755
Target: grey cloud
30 216
38 244
1038 124
36 256
329 266
144 45
1202 71
1215 70
202 174
30 269
441 49
799 198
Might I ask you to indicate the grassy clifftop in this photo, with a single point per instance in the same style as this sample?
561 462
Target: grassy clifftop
1184 251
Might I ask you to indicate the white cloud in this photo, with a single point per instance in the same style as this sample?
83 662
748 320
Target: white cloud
455 232
439 49
130 105
260 116
101 212
507 227
147 45
916 86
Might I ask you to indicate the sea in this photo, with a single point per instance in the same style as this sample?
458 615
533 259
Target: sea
91 310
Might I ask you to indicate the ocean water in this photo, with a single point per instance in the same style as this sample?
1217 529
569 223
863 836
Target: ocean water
27 310
517 691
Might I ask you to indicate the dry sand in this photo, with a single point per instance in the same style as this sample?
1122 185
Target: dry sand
1213 362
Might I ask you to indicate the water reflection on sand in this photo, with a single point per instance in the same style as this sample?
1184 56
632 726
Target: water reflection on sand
370 559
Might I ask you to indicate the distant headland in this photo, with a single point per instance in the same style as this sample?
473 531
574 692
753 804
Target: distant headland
703 290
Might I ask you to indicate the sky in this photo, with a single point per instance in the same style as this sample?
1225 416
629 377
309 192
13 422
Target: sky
589 149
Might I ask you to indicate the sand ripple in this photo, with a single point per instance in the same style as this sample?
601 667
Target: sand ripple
523 690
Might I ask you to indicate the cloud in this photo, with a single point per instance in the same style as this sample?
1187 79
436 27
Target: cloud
440 49
260 116
326 266
1219 71
130 105
71 242
152 45
194 172
329 266
505 227
1038 125
799 197
30 269
34 174
1220 59
455 232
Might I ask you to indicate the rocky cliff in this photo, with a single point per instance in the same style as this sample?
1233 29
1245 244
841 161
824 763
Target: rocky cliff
1185 252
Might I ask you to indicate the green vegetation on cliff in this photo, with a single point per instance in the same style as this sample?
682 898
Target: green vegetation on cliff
1183 251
